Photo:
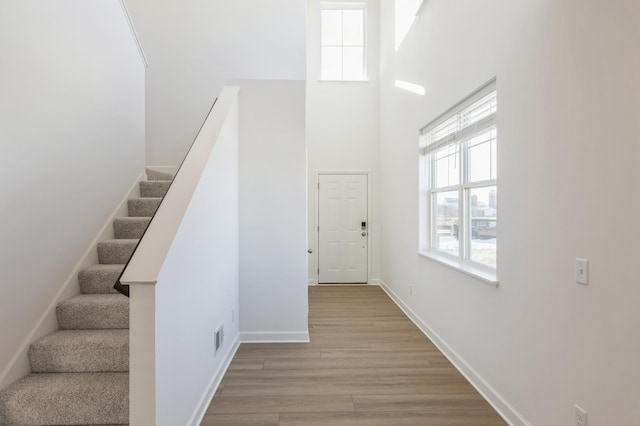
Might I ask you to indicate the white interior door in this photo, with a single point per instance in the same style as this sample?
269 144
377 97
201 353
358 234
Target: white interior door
343 229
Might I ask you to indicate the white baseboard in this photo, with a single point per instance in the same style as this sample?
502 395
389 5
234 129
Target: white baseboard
206 399
275 337
374 281
508 413
19 365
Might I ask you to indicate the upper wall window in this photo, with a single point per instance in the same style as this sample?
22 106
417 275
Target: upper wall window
459 172
343 41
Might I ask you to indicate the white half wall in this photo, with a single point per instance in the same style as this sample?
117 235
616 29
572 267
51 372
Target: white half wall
568 152
71 144
194 47
197 290
273 211
343 128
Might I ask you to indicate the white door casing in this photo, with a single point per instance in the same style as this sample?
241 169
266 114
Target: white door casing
342 239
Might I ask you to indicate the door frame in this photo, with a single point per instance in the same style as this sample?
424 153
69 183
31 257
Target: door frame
316 249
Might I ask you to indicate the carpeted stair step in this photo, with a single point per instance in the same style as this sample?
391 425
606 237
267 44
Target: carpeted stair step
130 227
93 311
81 351
154 188
143 207
66 399
158 175
99 279
116 251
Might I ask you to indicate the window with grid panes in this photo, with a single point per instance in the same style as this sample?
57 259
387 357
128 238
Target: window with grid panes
343 41
459 165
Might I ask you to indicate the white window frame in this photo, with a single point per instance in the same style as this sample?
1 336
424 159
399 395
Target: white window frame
346 6
430 143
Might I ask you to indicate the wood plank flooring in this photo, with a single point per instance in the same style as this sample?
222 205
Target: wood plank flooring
367 365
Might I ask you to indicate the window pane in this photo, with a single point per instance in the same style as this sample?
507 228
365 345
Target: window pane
331 27
332 63
353 63
483 225
353 27
482 157
445 230
447 166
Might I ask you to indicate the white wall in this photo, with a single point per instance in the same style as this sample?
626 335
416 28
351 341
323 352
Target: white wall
194 47
569 95
273 211
343 128
71 144
198 289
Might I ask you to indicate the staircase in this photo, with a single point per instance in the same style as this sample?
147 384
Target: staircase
80 373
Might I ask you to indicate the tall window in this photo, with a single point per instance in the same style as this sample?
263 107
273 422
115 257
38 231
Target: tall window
343 36
459 158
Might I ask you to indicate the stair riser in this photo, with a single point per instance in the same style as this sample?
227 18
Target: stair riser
98 282
154 188
110 252
128 228
81 360
143 207
72 317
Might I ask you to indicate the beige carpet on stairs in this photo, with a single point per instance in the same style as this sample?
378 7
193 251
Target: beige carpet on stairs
80 373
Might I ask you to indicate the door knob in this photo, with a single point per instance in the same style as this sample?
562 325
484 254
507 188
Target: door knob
364 234
309 251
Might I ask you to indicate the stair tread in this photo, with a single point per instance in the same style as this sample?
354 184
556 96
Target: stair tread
106 268
120 241
66 398
68 351
95 299
93 311
135 219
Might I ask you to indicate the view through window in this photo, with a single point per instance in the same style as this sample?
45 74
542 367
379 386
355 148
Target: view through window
459 151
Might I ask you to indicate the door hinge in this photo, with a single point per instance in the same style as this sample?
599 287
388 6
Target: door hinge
318 271
318 228
318 185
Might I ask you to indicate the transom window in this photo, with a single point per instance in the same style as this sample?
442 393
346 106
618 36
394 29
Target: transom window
343 41
459 167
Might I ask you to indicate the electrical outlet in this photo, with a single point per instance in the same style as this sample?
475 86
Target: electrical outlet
581 416
582 271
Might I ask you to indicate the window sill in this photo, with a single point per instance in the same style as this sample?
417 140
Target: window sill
488 277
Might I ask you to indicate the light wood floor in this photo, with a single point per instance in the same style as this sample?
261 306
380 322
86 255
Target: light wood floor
367 365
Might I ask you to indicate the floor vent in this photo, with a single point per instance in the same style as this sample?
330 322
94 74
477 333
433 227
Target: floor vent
219 338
